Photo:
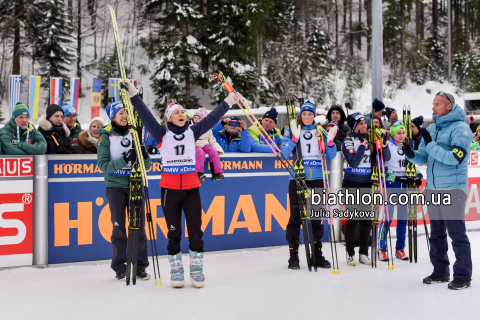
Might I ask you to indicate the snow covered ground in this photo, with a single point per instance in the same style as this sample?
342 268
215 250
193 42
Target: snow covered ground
243 284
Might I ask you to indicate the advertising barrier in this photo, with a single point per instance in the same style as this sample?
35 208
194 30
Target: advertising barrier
16 218
248 209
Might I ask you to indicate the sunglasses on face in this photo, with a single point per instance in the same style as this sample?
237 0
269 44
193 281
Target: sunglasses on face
442 93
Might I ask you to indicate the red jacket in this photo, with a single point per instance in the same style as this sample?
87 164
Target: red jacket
179 181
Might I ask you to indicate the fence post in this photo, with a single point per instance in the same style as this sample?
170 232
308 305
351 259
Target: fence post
40 210
336 174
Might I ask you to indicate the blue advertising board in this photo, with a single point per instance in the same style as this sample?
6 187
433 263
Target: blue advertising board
248 209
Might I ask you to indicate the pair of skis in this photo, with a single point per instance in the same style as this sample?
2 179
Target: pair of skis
411 189
138 178
331 226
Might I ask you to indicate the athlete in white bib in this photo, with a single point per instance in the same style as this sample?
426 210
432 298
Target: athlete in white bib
396 181
303 133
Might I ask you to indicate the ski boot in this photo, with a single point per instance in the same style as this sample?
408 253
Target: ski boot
201 176
142 275
365 260
320 260
176 270
400 254
120 276
382 255
351 261
217 176
293 261
196 269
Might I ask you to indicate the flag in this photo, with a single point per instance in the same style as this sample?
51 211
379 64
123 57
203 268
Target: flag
74 92
134 82
34 96
114 88
56 86
96 97
15 91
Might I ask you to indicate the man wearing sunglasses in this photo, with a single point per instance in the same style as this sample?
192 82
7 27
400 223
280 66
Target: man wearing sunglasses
445 150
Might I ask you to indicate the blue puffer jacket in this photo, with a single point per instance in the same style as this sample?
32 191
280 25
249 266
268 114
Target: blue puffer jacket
238 143
149 141
311 173
447 155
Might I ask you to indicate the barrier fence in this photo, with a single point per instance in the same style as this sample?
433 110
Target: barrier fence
53 208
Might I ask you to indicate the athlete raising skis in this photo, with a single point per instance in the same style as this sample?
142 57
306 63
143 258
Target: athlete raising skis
179 184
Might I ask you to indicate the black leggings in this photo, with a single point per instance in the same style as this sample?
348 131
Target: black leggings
351 224
294 223
173 201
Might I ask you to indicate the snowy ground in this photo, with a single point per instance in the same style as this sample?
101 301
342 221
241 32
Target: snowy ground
244 284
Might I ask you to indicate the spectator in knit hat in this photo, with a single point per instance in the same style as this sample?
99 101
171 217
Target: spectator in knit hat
55 131
207 144
257 135
228 133
417 124
336 114
70 119
18 137
88 140
392 116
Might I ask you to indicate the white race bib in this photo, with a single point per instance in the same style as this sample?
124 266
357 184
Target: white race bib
118 146
178 153
365 166
397 164
310 152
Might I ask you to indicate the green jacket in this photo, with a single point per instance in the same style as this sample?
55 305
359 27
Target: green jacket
11 145
108 166
74 132
474 145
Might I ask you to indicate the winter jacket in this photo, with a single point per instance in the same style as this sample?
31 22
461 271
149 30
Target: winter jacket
446 156
231 142
474 145
149 141
87 144
354 155
343 129
208 139
57 138
74 132
257 141
10 144
158 131
416 142
288 147
109 166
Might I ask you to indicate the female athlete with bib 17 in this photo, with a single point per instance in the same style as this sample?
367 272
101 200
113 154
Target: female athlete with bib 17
303 132
179 184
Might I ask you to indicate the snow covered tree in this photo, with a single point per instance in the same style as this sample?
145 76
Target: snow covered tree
178 51
319 48
53 50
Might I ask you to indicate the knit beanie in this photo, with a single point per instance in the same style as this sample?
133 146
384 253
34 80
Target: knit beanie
398 127
68 109
20 109
309 105
51 109
378 105
418 122
272 114
388 111
102 123
379 119
354 119
201 112
112 109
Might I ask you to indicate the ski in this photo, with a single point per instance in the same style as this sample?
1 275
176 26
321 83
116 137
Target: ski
331 225
138 176
302 200
410 172
375 178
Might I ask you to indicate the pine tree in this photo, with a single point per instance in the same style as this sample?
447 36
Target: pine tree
54 43
178 49
320 48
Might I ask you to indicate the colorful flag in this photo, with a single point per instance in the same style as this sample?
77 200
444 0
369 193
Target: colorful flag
134 82
56 86
114 88
96 97
15 91
34 95
74 92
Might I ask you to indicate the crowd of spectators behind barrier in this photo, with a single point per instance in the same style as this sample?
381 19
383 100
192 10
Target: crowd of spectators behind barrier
59 131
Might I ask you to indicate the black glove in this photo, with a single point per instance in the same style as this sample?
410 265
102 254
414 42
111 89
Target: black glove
405 180
407 151
426 136
152 149
144 152
130 155
418 180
